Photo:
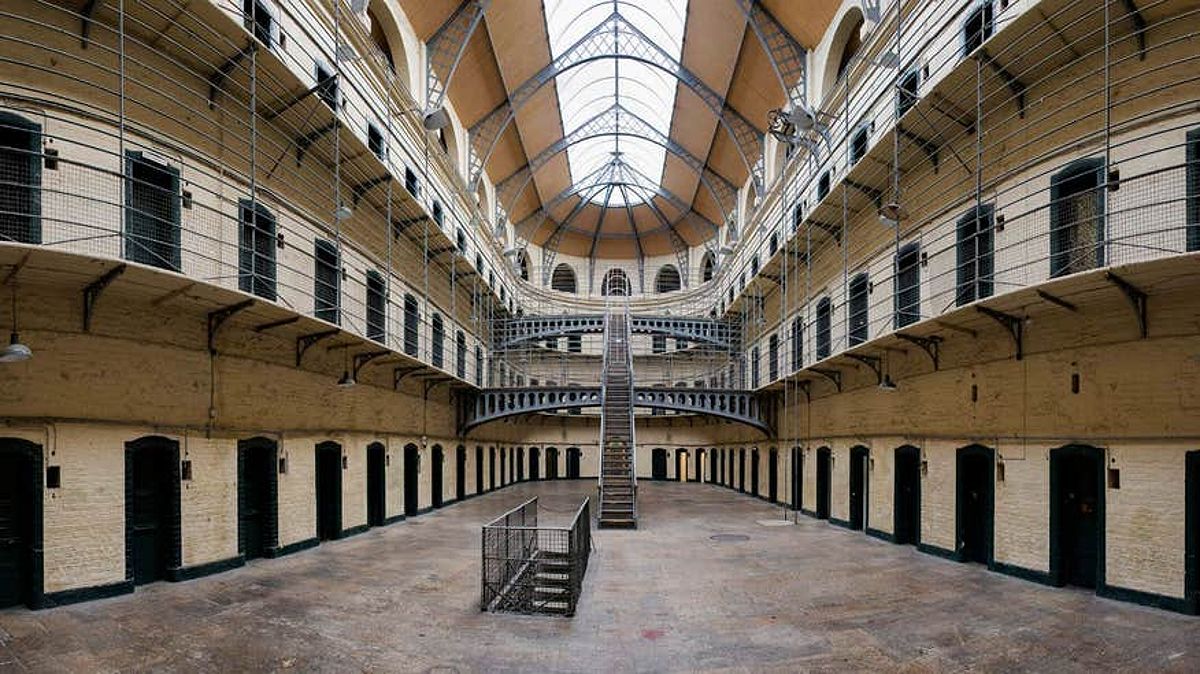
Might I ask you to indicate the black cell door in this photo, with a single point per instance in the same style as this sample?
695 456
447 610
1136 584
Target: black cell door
551 463
329 491
153 507
858 487
460 473
797 478
824 468
412 464
907 506
975 499
773 476
754 468
503 466
658 464
1077 514
520 464
20 515
699 465
1192 520
572 463
376 485
478 470
257 496
741 458
713 459
435 476
491 468
535 465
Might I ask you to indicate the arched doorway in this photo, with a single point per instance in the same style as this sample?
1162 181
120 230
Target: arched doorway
1077 515
478 469
535 465
436 459
551 463
658 464
700 451
152 513
460 473
412 468
824 473
755 466
1191 582
376 484
520 464
682 465
906 507
491 468
741 470
258 497
975 503
773 475
572 463
797 475
859 456
20 523
713 459
503 466
329 490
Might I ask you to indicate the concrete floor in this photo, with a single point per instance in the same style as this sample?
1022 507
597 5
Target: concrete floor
664 597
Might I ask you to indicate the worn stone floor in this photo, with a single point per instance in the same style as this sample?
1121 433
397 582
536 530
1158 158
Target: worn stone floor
666 597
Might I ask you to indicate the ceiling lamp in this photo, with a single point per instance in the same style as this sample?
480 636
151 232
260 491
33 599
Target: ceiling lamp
436 118
358 6
342 213
15 352
892 213
781 126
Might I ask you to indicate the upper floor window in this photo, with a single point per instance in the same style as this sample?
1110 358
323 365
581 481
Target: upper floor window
412 319
1077 217
667 279
823 184
824 328
20 179
376 306
478 365
523 265
797 343
260 20
858 144
773 357
439 216
851 33
327 86
256 249
437 340
615 283
327 281
460 240
773 244
908 92
977 27
797 217
754 265
574 344
152 212
411 182
754 357
375 141
974 251
1193 190
858 309
563 278
658 344
908 285
460 354
708 266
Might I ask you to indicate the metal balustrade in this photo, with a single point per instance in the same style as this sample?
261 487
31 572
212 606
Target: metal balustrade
488 405
512 332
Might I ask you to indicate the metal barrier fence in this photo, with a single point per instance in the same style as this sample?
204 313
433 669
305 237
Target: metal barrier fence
532 569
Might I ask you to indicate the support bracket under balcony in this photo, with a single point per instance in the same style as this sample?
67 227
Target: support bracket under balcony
306 141
306 342
930 345
804 386
1137 298
834 376
1054 299
831 230
219 75
928 146
873 362
361 359
400 373
218 317
92 293
362 188
1015 85
1014 324
85 20
276 324
1139 24
875 194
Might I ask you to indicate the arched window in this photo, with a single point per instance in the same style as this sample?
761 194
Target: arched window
846 43
824 327
256 247
615 283
523 265
327 280
437 340
667 280
478 365
797 343
773 355
460 355
708 266
20 193
412 316
385 33
563 278
754 368
908 285
376 306
859 287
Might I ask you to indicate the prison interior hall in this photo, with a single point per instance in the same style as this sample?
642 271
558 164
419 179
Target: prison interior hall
670 335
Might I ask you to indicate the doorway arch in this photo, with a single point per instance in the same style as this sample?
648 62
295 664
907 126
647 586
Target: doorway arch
906 504
21 522
974 507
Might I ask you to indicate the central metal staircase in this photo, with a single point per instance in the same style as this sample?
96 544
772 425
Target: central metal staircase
618 451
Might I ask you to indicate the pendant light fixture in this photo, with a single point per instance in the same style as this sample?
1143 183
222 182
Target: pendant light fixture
15 352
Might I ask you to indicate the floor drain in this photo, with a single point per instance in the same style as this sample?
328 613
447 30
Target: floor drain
729 538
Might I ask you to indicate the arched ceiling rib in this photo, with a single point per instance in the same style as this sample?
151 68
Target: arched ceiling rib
724 57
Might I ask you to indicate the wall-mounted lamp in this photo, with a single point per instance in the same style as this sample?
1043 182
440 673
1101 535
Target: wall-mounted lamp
435 119
15 352
342 213
892 213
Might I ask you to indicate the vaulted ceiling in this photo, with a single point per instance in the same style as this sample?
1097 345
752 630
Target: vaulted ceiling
630 214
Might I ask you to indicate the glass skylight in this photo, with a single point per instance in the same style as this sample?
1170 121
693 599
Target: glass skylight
590 89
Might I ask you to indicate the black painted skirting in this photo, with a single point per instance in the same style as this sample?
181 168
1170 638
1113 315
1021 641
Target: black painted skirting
200 570
810 513
1040 577
393 519
354 531
938 551
1177 604
291 548
841 523
880 534
81 594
